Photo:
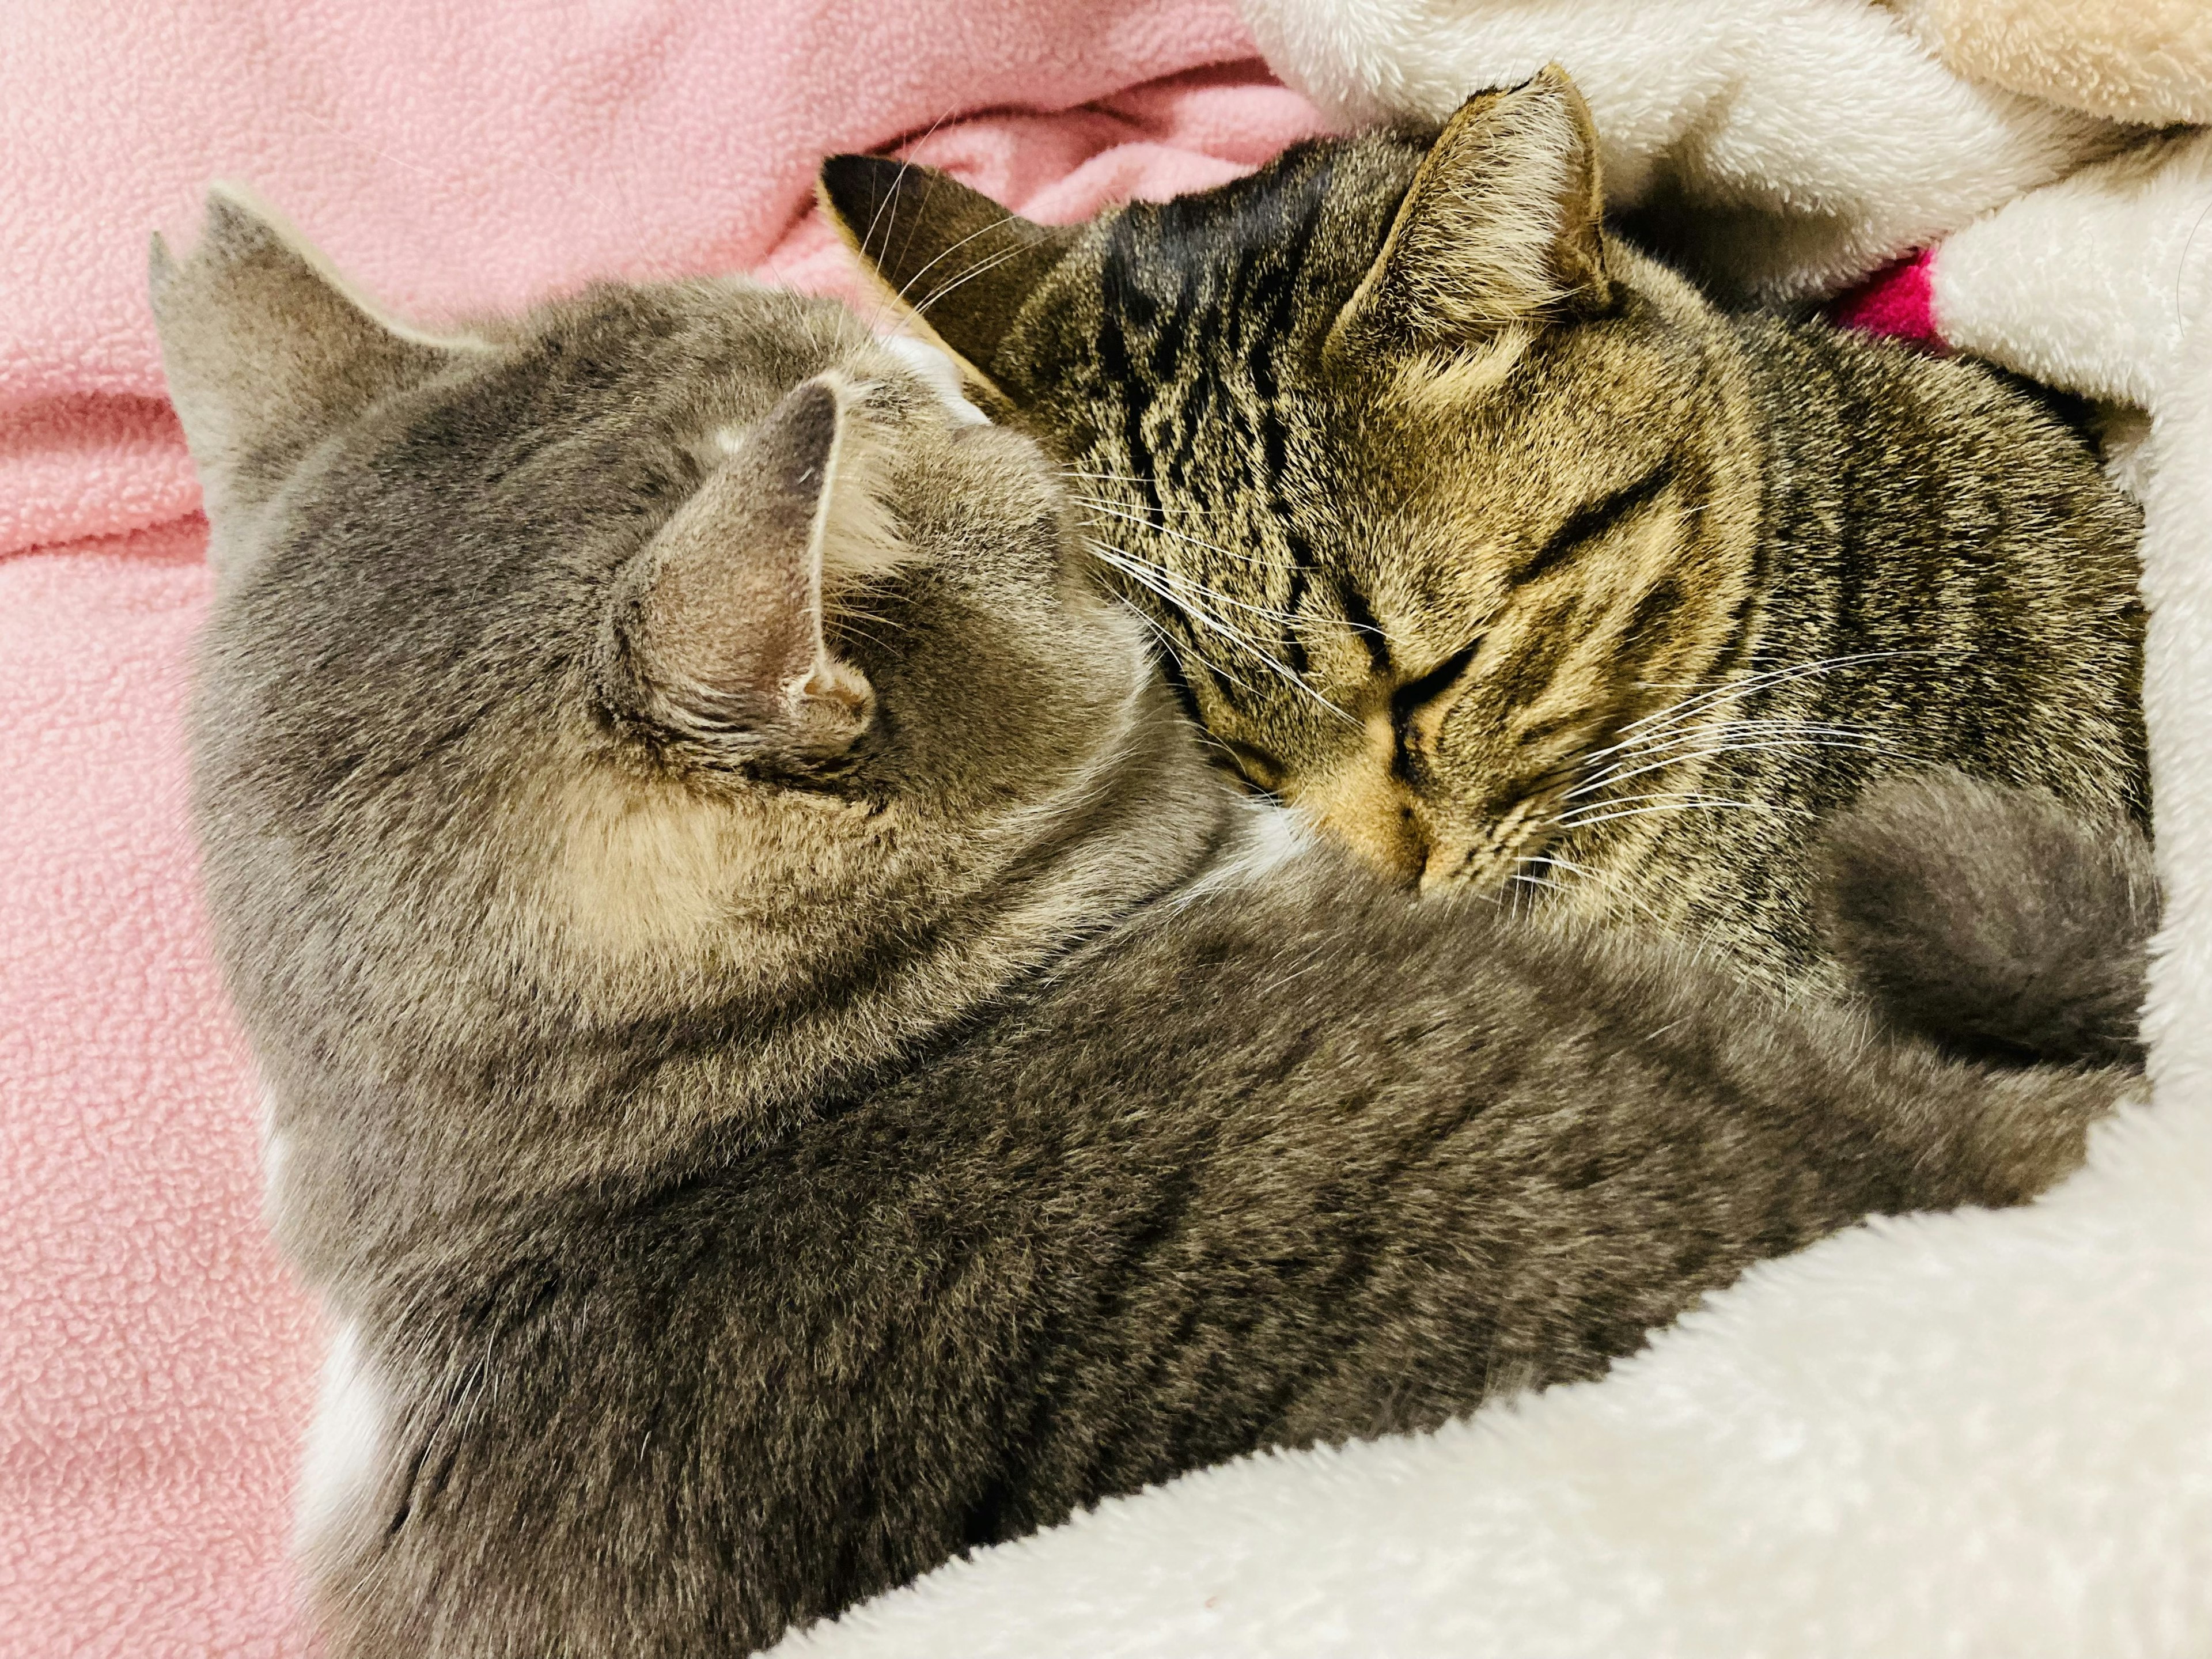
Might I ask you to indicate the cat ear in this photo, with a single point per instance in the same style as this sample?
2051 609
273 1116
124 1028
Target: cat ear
1501 226
267 347
958 266
721 617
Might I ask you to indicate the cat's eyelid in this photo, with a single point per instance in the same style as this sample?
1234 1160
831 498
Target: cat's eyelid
1425 688
1250 759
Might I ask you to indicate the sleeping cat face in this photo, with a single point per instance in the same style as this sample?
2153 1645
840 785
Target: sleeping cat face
657 639
1432 495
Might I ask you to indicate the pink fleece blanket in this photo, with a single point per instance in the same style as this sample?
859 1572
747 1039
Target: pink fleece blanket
157 1363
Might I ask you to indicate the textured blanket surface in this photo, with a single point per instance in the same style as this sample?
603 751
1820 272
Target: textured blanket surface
157 1363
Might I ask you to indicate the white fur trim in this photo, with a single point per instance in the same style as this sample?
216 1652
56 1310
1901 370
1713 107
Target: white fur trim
1267 835
338 1471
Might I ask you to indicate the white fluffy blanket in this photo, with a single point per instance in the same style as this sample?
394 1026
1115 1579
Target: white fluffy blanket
1982 1433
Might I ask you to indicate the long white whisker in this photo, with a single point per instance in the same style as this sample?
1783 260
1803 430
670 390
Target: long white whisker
1192 583
922 308
1707 754
1584 819
1688 799
1772 675
1649 741
1113 510
1655 745
1145 578
947 253
1168 645
1159 582
1682 745
890 196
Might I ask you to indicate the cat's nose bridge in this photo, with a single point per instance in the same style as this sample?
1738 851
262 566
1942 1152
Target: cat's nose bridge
1367 807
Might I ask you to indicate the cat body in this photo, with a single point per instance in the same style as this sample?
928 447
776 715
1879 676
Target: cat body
785 1060
1489 543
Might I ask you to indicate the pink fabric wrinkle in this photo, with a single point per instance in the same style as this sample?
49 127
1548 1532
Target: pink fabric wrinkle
91 466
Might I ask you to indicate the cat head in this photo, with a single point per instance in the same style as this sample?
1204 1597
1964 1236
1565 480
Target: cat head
661 649
1426 482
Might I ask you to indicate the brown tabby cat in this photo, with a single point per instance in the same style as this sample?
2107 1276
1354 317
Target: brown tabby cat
1483 538
784 1061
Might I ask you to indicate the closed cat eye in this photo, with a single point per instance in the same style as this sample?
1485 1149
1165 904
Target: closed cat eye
1254 766
1414 694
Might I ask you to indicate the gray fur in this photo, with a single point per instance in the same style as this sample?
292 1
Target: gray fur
1992 921
788 1061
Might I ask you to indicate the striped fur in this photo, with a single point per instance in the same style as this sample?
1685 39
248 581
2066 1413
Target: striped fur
1486 539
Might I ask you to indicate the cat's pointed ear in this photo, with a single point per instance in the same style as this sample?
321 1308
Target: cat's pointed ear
719 625
1501 226
958 266
267 349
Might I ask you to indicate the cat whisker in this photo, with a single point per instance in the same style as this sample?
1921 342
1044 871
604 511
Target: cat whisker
1163 584
1612 885
1541 883
1689 797
1116 511
1588 816
888 204
1189 649
1663 749
1144 521
1281 618
946 254
1695 744
1708 754
981 268
1184 507
1212 625
1688 706
1167 644
1646 742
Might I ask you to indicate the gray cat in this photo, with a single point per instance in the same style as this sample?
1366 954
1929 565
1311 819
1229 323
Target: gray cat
783 1058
